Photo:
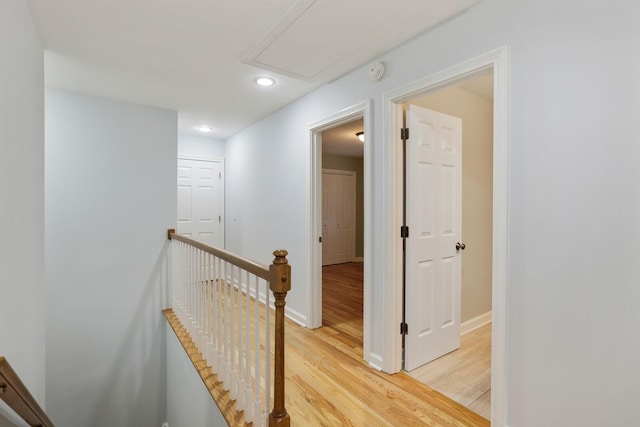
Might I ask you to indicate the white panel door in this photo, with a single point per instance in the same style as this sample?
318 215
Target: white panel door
434 218
201 200
338 216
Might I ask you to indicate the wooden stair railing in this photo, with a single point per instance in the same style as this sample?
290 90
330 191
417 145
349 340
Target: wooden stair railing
16 395
278 276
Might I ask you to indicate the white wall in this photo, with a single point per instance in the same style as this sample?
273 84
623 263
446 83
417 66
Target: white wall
189 403
22 196
477 187
110 197
574 195
200 146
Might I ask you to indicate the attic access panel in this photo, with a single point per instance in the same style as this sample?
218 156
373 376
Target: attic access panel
323 39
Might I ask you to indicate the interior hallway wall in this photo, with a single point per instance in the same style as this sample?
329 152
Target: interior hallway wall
22 197
200 146
574 195
477 187
189 403
110 197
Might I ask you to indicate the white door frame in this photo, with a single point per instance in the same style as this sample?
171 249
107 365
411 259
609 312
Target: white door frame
314 301
498 60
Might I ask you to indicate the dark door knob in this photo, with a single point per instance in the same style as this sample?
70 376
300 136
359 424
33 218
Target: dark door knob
460 246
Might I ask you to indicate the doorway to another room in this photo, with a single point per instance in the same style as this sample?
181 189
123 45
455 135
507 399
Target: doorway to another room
341 298
449 208
343 230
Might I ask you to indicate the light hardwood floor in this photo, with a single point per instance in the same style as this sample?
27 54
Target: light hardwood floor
327 381
464 374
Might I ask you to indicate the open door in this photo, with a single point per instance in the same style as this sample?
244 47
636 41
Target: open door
433 249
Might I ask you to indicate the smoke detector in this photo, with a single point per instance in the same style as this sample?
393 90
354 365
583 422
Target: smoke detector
376 71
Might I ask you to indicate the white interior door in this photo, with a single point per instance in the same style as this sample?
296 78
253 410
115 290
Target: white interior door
434 218
201 200
338 216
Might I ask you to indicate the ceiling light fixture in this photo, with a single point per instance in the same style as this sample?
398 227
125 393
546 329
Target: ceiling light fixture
205 129
264 81
360 136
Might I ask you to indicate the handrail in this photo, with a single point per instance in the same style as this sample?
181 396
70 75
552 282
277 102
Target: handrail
15 394
278 275
252 267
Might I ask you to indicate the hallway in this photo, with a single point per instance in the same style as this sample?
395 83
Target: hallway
463 375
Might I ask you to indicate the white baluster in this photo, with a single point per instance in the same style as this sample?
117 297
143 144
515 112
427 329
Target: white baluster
196 298
227 328
216 314
209 308
232 323
185 281
267 351
201 300
201 307
188 288
257 399
247 334
239 370
192 284
219 328
185 270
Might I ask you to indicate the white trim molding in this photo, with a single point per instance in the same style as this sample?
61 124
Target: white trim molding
314 302
392 120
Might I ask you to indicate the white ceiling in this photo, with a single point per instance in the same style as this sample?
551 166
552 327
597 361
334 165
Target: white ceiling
199 57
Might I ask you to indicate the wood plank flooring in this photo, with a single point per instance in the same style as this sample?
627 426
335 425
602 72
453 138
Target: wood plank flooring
329 384
342 305
342 300
464 374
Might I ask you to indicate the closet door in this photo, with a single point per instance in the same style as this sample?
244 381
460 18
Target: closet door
338 216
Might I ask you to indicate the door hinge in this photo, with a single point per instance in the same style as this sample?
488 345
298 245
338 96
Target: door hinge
404 329
320 239
219 218
404 134
404 232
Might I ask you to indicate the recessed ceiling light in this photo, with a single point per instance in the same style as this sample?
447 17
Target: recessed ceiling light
265 81
360 136
205 129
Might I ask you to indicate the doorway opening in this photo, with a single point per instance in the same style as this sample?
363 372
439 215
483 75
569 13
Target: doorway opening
340 294
449 252
343 229
496 61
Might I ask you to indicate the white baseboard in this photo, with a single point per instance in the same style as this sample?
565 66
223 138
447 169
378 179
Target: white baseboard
375 361
475 323
296 316
358 259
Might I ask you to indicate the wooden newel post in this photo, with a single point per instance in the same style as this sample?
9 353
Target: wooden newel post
280 285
